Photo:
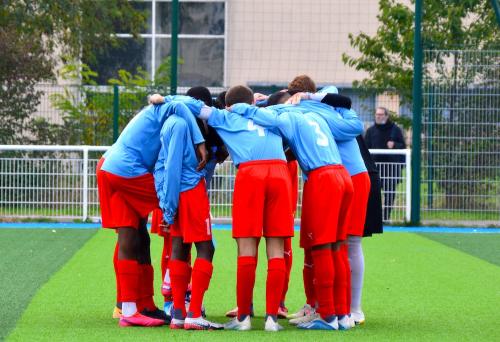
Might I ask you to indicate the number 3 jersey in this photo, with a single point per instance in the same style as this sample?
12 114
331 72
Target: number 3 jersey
245 140
307 134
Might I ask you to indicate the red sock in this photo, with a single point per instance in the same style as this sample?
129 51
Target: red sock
288 267
146 288
202 273
345 257
165 255
115 264
274 284
180 275
245 281
128 278
323 282
308 276
340 284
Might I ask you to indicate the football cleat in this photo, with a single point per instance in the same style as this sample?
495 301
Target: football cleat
344 323
234 312
235 324
117 312
304 311
282 311
176 323
140 320
157 314
304 319
272 325
200 323
358 317
320 324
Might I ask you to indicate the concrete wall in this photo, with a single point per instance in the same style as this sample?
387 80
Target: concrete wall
271 41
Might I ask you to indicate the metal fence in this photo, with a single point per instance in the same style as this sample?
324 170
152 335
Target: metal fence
461 137
59 183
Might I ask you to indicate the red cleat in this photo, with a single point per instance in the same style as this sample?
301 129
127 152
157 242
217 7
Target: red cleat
140 321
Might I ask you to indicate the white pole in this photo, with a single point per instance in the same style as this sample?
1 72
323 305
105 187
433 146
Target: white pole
408 185
85 182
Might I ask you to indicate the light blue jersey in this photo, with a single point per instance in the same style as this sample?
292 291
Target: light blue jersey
175 169
245 140
345 127
136 150
307 133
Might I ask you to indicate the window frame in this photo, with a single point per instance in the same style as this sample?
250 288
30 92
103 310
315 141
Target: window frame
153 35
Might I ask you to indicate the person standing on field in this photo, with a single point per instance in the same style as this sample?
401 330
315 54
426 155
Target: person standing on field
385 134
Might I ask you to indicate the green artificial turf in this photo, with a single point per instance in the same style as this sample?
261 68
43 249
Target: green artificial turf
484 246
415 289
28 259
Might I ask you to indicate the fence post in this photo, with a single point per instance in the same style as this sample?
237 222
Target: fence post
116 111
85 182
408 185
173 48
417 114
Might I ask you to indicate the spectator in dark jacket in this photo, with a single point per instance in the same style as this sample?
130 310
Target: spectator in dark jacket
385 134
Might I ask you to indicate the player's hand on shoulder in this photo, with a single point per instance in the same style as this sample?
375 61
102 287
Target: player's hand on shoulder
156 99
259 97
296 98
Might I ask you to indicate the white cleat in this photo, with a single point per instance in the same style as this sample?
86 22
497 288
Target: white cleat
351 321
200 323
272 325
304 311
358 317
345 323
235 324
304 319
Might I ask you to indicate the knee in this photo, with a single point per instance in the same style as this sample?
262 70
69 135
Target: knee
205 250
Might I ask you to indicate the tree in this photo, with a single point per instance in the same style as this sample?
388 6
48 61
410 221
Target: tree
38 35
387 56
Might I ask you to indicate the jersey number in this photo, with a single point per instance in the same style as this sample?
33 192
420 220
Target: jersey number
322 138
253 127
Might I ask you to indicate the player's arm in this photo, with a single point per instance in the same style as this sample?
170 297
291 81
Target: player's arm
181 109
334 100
173 144
268 118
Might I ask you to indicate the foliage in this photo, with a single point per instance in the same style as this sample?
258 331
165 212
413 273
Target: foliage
35 37
387 56
87 109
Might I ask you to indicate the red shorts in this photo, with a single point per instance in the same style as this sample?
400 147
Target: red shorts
294 177
325 203
261 200
361 184
192 221
156 221
124 201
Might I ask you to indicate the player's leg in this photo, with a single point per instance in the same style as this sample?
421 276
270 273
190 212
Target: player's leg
276 270
117 312
248 206
341 263
288 256
357 262
180 275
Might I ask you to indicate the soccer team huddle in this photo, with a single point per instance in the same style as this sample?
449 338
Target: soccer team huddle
163 163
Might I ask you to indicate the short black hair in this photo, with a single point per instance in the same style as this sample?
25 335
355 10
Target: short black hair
202 94
278 97
220 101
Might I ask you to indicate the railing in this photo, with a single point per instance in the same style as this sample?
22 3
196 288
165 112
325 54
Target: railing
59 183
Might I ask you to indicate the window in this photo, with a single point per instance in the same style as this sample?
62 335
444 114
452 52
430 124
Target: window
202 32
